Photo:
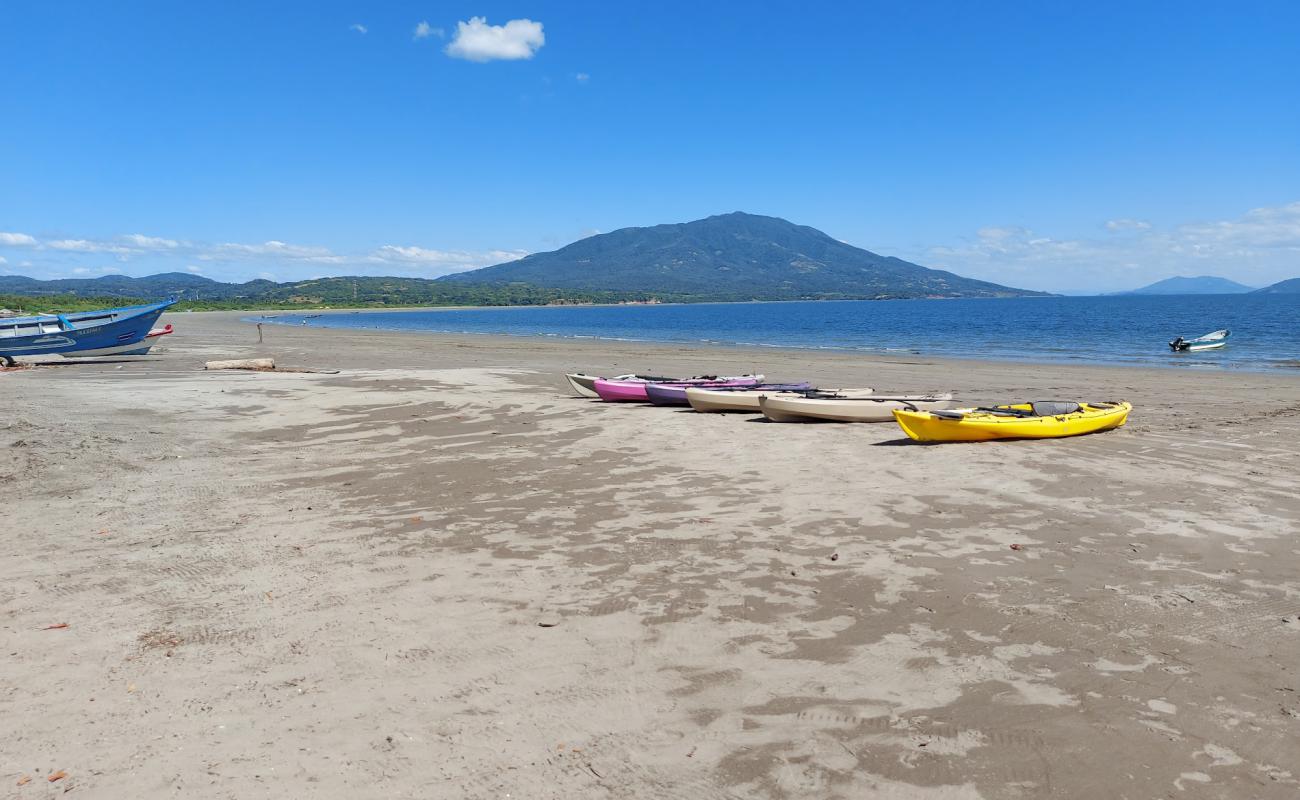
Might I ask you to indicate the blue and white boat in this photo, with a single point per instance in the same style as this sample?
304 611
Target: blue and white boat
110 332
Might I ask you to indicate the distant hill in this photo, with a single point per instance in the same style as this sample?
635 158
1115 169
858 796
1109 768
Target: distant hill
734 256
1204 284
1289 286
195 291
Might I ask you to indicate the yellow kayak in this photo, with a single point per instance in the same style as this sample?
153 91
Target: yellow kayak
1041 420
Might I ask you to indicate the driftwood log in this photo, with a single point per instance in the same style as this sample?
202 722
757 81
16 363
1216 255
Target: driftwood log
258 364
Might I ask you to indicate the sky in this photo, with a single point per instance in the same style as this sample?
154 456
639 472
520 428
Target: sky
1068 147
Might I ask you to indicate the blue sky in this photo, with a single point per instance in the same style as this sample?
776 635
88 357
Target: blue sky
1059 146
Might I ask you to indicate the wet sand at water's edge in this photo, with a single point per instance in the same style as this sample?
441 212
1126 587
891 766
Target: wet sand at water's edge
437 574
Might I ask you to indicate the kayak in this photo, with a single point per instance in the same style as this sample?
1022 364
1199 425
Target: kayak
665 394
845 407
1038 420
634 391
746 400
585 385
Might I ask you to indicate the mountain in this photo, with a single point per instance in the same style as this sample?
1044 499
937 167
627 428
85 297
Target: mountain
1204 284
1290 286
734 257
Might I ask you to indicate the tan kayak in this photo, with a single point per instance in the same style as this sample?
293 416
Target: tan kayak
848 409
746 400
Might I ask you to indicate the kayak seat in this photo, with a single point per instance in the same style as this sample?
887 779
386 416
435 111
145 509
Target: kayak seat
1051 408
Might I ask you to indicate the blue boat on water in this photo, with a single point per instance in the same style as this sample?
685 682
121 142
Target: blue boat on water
111 331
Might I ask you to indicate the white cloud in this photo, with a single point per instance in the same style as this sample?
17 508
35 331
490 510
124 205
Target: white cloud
359 28
1127 225
87 246
276 249
266 276
17 240
150 242
476 40
424 31
3 260
193 269
582 77
1258 248
443 262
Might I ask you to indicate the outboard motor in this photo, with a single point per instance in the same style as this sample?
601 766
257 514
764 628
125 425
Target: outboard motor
1178 344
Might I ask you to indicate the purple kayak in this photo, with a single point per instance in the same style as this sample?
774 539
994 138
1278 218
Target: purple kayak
662 394
635 391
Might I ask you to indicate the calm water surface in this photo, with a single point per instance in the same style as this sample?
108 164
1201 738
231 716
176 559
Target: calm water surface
1115 330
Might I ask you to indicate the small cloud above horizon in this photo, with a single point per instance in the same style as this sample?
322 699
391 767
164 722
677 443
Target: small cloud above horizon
582 77
476 40
1258 248
359 28
1127 225
424 31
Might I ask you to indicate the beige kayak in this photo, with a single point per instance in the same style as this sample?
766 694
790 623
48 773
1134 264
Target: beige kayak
712 400
848 409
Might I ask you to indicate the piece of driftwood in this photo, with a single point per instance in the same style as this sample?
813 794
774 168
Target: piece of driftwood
258 364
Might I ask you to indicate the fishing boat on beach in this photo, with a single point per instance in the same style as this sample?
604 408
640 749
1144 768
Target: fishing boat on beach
1210 341
113 331
846 406
1038 420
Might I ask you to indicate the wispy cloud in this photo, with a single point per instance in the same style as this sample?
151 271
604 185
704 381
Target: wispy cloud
443 262
17 240
1260 247
61 257
582 77
424 31
150 242
1127 225
476 40
359 28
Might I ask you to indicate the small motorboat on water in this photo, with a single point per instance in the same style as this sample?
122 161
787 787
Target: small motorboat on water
1210 341
634 391
666 394
846 406
1047 419
113 331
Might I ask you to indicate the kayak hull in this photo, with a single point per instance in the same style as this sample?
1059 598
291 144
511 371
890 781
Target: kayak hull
633 391
865 408
981 427
674 394
733 400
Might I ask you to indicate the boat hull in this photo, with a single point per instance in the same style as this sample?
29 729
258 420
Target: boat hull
669 394
140 348
110 332
980 427
865 408
733 400
612 391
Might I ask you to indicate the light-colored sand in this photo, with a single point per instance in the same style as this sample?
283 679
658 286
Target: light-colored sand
334 585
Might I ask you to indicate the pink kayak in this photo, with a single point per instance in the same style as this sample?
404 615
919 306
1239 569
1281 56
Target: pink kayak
634 391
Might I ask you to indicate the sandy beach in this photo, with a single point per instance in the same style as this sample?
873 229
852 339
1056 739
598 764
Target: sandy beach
436 574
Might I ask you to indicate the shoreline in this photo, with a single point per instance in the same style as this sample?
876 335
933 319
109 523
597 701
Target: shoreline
1283 367
438 574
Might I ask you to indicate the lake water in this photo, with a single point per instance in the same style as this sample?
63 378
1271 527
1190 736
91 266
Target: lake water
1113 330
